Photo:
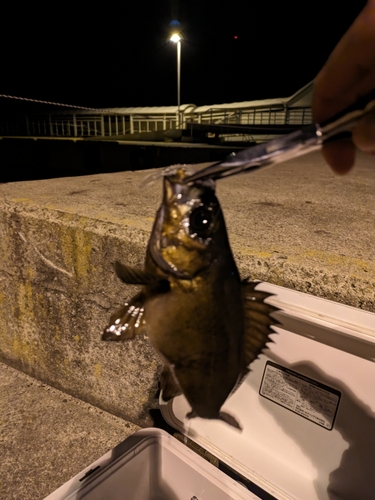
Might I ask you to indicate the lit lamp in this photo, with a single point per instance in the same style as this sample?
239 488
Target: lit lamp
176 38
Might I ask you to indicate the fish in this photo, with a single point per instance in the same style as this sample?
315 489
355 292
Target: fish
206 323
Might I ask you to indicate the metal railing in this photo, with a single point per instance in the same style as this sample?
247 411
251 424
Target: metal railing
78 125
282 116
114 125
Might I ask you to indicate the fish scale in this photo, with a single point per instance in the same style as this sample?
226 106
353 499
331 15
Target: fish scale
206 323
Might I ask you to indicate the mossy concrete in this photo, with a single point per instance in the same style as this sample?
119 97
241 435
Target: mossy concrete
297 225
57 290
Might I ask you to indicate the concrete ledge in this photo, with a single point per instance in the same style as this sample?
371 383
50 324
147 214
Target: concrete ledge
47 437
297 225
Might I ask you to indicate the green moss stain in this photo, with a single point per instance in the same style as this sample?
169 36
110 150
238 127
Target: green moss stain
21 200
257 254
24 351
76 247
336 260
98 370
25 302
67 247
324 260
83 250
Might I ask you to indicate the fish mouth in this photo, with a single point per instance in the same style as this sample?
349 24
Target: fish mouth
180 198
155 248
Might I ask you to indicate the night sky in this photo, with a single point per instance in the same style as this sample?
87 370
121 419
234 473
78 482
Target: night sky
119 55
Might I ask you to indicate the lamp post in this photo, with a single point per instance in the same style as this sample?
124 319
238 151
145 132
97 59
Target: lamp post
177 40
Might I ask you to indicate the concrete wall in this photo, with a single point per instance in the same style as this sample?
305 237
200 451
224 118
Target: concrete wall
57 290
296 225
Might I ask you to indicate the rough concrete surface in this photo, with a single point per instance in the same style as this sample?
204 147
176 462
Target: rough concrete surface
297 225
47 437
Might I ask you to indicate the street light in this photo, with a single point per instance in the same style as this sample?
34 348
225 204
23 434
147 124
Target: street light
176 38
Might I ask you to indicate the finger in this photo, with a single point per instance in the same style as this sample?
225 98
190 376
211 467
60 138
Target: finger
364 134
350 69
340 155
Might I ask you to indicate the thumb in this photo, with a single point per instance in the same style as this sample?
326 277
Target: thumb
364 134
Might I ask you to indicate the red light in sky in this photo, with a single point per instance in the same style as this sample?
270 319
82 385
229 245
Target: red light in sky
235 37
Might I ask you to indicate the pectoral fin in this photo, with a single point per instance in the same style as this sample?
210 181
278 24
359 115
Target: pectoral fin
132 276
125 323
258 320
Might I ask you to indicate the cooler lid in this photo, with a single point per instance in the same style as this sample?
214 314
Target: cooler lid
307 407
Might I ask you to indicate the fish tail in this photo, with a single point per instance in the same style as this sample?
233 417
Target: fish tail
224 417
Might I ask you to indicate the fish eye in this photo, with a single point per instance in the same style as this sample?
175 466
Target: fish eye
201 221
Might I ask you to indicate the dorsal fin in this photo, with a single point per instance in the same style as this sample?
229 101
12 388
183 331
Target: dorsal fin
258 320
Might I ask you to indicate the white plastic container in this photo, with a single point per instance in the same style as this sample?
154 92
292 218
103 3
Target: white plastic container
307 410
152 465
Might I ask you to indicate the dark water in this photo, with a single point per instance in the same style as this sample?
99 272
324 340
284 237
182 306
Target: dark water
29 159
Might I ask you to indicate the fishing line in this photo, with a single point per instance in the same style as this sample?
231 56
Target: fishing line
27 99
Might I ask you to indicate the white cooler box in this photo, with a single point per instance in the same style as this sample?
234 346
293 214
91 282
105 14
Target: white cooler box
307 409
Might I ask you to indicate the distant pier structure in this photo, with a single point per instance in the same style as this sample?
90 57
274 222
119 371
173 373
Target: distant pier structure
216 124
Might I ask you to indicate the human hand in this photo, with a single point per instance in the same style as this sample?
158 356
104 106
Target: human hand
348 74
